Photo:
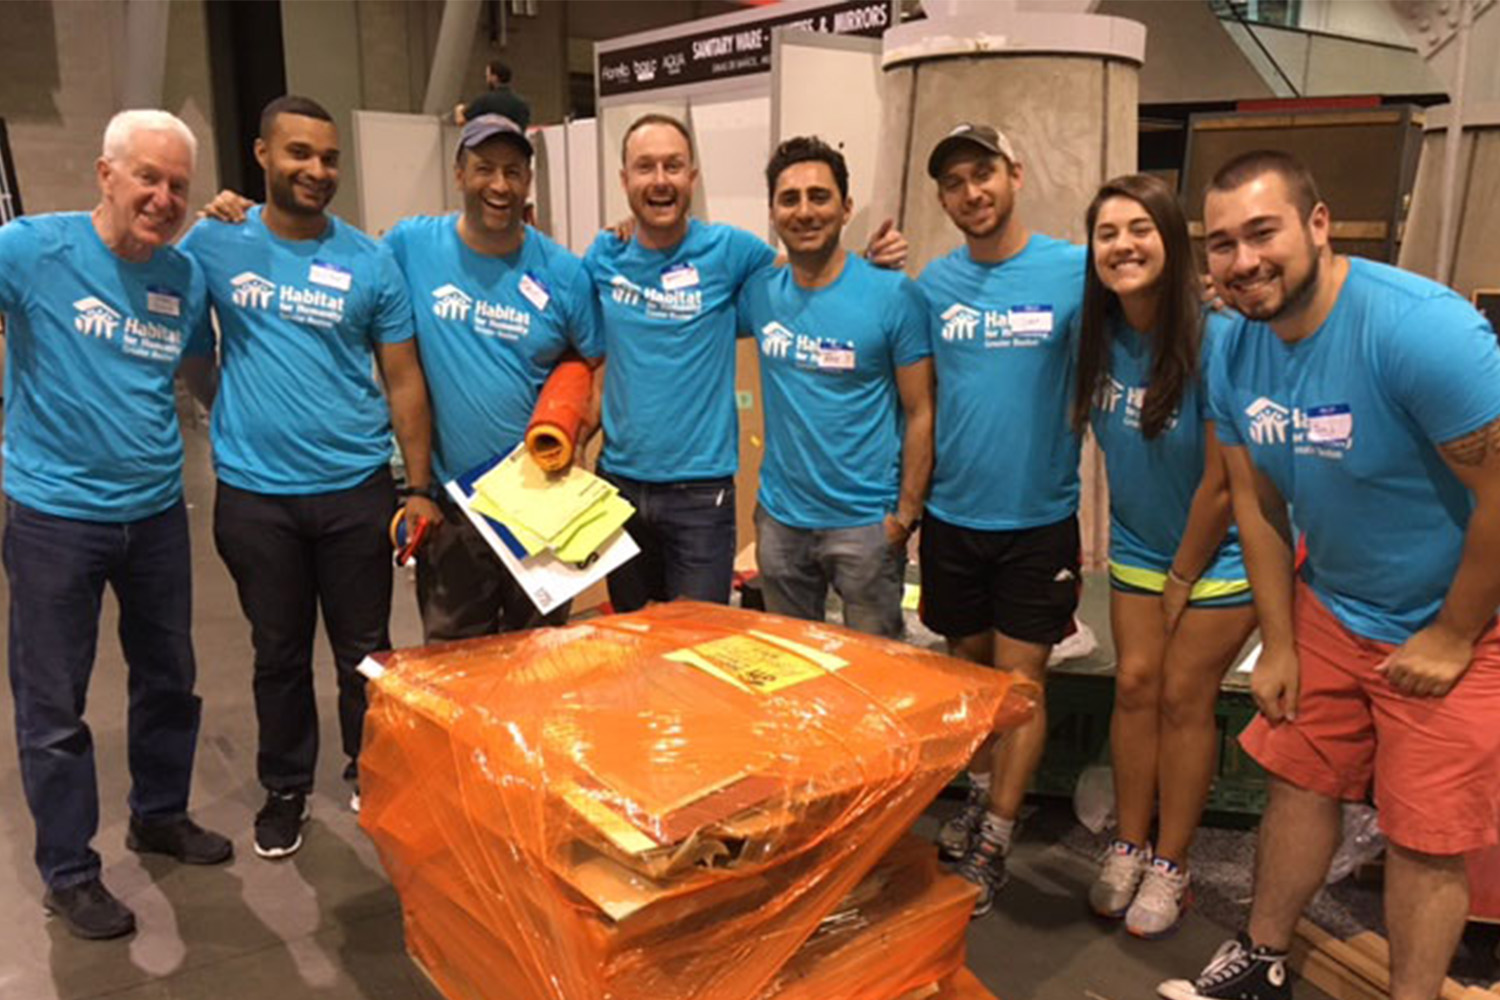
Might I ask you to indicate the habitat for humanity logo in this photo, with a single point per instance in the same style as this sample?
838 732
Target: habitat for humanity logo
776 340
251 291
95 319
1268 421
1110 393
452 303
960 322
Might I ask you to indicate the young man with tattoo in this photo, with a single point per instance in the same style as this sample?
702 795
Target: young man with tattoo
1360 406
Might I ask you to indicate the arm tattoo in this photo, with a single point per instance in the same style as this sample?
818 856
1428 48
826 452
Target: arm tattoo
1472 449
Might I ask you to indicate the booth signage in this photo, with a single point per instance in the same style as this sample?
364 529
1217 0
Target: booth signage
731 51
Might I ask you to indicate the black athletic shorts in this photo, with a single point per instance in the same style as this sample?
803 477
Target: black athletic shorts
1022 583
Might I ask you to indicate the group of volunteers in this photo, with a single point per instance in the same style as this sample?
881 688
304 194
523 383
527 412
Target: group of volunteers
1315 454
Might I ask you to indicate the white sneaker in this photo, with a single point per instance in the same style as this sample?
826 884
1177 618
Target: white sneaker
1161 901
1119 877
1081 643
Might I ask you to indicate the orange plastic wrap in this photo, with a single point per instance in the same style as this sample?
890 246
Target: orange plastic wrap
559 413
902 927
656 806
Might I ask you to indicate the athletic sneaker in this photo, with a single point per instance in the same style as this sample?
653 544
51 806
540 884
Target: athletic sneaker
956 835
90 911
1236 972
1161 901
984 865
354 799
1119 878
278 825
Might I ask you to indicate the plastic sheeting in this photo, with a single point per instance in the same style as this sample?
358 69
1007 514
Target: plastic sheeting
659 805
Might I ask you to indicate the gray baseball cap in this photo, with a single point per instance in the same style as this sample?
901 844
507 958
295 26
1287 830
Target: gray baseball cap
986 137
486 127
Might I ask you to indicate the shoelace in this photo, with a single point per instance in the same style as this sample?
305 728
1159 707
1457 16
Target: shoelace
977 864
1160 889
1229 961
1120 866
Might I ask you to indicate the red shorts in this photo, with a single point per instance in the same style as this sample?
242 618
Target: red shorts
1435 762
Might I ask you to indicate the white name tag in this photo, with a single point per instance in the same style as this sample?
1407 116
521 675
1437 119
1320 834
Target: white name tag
1032 320
330 276
1330 424
679 277
834 356
163 302
536 293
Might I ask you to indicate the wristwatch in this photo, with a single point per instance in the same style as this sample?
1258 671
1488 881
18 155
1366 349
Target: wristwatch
916 523
430 491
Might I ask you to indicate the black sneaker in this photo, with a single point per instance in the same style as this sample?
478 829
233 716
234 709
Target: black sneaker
90 911
278 825
179 838
1236 972
984 865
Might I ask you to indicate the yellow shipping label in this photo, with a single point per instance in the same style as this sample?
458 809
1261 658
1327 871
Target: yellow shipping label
757 665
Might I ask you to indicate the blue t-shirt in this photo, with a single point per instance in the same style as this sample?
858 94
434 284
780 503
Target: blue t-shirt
833 417
299 410
490 330
1152 482
1003 349
669 335
92 343
1346 423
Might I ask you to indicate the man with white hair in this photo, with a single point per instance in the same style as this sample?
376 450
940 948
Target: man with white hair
101 313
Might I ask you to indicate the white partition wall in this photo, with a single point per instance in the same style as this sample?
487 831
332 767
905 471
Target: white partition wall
830 86
403 167
583 189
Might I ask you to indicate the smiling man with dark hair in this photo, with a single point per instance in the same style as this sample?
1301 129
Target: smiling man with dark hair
306 306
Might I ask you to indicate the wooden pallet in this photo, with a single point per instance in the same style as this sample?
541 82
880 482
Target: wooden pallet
1359 968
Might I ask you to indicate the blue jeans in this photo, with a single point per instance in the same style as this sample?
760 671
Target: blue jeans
57 568
686 534
798 565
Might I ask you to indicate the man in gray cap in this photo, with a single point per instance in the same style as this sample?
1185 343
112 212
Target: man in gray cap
999 544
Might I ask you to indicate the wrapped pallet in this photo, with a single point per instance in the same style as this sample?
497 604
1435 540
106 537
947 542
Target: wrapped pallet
660 805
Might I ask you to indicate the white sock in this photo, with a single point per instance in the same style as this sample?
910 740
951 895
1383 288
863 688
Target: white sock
980 780
999 829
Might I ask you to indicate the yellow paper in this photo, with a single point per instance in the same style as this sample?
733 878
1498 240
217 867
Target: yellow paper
541 503
531 542
596 528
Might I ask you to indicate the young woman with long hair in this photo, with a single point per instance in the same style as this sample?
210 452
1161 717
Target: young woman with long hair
1180 605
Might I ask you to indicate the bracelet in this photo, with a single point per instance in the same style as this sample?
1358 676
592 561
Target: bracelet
430 491
1178 579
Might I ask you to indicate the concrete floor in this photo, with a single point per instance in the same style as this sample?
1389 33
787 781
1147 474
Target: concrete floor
325 924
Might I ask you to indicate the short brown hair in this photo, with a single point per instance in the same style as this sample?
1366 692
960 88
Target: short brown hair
1248 166
656 118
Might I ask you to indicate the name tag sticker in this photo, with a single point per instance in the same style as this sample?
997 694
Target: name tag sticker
536 293
835 356
330 276
1030 321
678 277
1330 424
164 302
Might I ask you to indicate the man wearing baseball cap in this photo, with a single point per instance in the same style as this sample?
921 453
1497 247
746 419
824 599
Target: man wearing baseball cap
497 305
999 546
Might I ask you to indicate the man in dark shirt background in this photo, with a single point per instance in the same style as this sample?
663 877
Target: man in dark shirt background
498 100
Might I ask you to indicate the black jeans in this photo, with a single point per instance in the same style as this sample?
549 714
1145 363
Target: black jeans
686 534
290 555
464 590
58 569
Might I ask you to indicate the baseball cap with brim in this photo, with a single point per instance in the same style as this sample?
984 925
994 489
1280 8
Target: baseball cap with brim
985 137
486 127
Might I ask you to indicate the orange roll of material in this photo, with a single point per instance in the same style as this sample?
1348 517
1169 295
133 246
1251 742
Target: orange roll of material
560 410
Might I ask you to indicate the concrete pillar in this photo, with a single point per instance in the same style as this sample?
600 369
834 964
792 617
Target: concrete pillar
141 68
451 59
1063 85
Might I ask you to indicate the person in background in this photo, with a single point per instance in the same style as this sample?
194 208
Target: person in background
1180 606
498 99
846 375
101 312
